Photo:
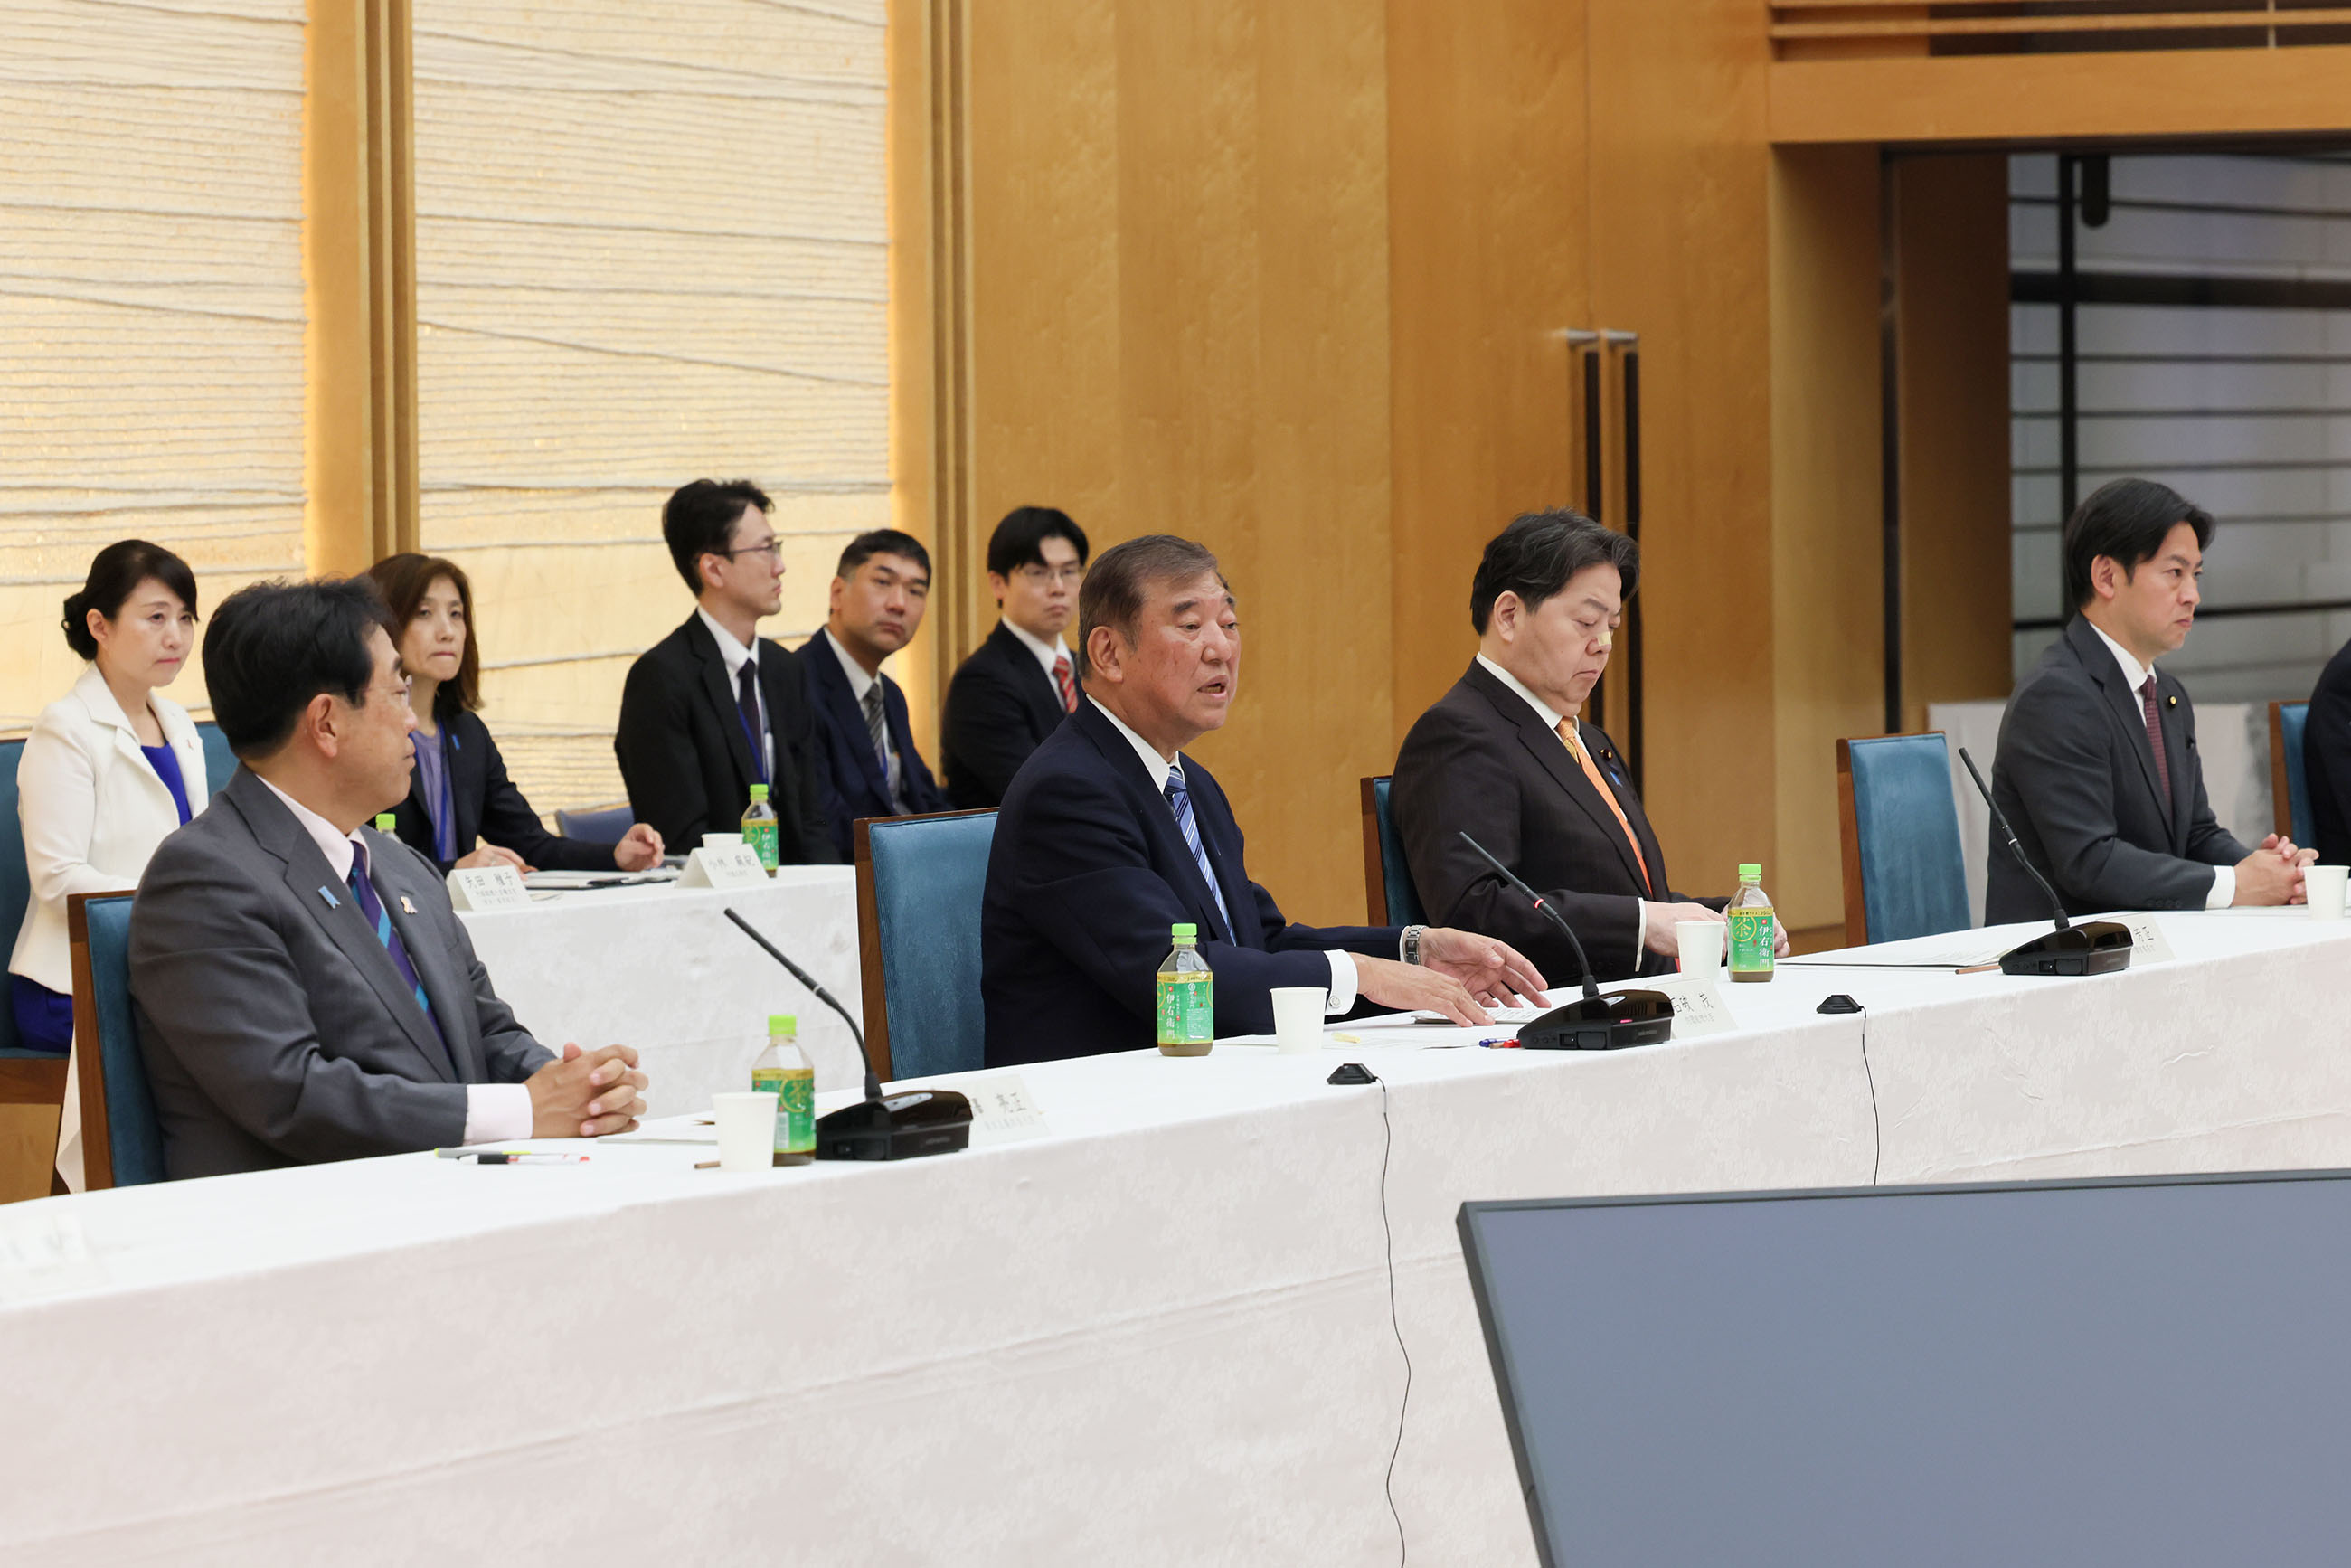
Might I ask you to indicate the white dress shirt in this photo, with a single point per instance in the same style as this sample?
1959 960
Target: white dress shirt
2134 674
495 1112
1046 653
1163 767
1551 719
734 655
860 683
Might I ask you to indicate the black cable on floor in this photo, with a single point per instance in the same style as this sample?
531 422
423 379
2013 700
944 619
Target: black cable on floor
1387 1143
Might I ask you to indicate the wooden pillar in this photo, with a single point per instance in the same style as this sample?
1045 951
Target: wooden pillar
358 256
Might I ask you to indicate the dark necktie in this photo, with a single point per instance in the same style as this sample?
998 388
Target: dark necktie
371 910
2154 738
1064 684
1180 800
746 698
877 729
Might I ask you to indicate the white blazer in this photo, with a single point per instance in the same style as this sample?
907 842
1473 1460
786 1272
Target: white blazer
93 811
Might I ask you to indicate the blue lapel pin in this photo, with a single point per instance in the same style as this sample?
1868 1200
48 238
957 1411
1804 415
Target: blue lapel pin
332 902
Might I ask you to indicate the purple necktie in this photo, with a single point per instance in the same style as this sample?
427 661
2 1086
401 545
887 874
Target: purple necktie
2154 738
371 910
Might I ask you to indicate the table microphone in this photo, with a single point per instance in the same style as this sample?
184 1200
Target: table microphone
878 1127
2096 947
1593 1021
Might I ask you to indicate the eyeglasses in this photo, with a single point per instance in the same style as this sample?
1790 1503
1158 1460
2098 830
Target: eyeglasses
1072 574
773 549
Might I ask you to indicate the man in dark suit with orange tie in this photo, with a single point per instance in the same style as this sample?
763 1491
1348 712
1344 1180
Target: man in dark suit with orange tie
1504 756
1019 684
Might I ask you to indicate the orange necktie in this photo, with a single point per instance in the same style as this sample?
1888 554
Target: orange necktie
1592 772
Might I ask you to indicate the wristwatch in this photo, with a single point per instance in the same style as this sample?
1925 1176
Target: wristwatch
1412 943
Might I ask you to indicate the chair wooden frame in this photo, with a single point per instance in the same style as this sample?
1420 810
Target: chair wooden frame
2281 793
869 932
1376 879
96 1134
1856 905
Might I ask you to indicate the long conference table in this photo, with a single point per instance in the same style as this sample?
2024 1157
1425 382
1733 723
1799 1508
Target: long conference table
1158 1333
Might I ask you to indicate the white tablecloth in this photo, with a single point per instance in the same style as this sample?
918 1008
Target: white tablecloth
2234 738
662 969
1159 1334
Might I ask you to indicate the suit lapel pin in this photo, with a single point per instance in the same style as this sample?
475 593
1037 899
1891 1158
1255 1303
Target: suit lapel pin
2171 702
332 902
406 907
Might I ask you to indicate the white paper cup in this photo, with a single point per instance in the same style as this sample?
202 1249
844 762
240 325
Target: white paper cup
1298 1018
720 840
1700 944
2324 885
746 1129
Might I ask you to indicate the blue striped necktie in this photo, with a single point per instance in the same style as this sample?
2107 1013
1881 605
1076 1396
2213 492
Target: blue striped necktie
1179 798
371 910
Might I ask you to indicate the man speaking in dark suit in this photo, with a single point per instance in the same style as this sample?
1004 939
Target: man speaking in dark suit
872 769
1019 685
1503 757
304 991
1110 836
2097 769
714 707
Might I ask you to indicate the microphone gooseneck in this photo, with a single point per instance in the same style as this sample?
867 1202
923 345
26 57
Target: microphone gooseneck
2056 905
873 1083
1591 986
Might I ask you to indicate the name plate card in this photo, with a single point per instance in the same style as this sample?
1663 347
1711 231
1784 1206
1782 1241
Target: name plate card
47 1255
483 887
1002 1111
723 865
1698 1007
2148 945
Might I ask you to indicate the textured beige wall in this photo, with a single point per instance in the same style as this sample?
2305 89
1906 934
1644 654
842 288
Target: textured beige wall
651 244
151 305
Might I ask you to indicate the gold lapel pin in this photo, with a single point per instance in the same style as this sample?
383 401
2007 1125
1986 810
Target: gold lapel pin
2171 702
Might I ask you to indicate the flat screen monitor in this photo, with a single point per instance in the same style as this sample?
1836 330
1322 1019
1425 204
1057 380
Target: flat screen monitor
2144 1371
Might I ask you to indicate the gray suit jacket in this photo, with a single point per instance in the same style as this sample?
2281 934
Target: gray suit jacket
276 1028
2075 776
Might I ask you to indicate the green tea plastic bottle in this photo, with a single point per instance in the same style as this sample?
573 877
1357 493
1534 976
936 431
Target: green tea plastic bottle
1753 929
784 1071
1188 998
759 827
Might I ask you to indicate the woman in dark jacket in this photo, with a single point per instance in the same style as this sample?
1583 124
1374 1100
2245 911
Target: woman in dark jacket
458 790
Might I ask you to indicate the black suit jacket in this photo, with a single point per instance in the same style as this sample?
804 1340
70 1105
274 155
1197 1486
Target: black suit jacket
1000 706
1089 870
687 763
1481 761
2075 776
853 782
277 1029
2327 759
487 805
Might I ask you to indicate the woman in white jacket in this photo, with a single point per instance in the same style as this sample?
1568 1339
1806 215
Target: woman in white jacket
110 769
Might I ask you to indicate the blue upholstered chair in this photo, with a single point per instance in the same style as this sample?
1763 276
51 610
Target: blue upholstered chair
122 1146
609 826
1388 893
27 1077
2289 785
219 760
919 881
1904 873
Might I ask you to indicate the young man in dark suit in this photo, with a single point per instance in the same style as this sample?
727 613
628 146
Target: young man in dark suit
714 708
1019 685
2326 758
2097 769
304 991
870 766
1504 757
1110 836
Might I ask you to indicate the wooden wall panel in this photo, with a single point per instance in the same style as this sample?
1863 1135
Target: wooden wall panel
1488 222
1179 279
1950 247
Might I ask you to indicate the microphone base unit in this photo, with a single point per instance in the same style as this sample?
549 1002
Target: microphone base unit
1610 1021
2095 947
902 1126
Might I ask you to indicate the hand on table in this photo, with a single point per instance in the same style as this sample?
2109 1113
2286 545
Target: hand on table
2271 874
586 1094
1658 920
490 854
1414 988
640 848
1495 973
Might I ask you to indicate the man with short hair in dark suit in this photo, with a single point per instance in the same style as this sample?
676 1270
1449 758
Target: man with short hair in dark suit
304 991
870 766
1019 685
1110 836
714 708
1505 758
2097 769
2326 758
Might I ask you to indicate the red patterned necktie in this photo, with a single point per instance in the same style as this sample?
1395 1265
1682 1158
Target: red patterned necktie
2154 738
1068 688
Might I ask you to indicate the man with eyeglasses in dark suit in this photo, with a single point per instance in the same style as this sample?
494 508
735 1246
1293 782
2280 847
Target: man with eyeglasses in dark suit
1019 684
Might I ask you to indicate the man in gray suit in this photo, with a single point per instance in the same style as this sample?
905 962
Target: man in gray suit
304 991
2097 769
